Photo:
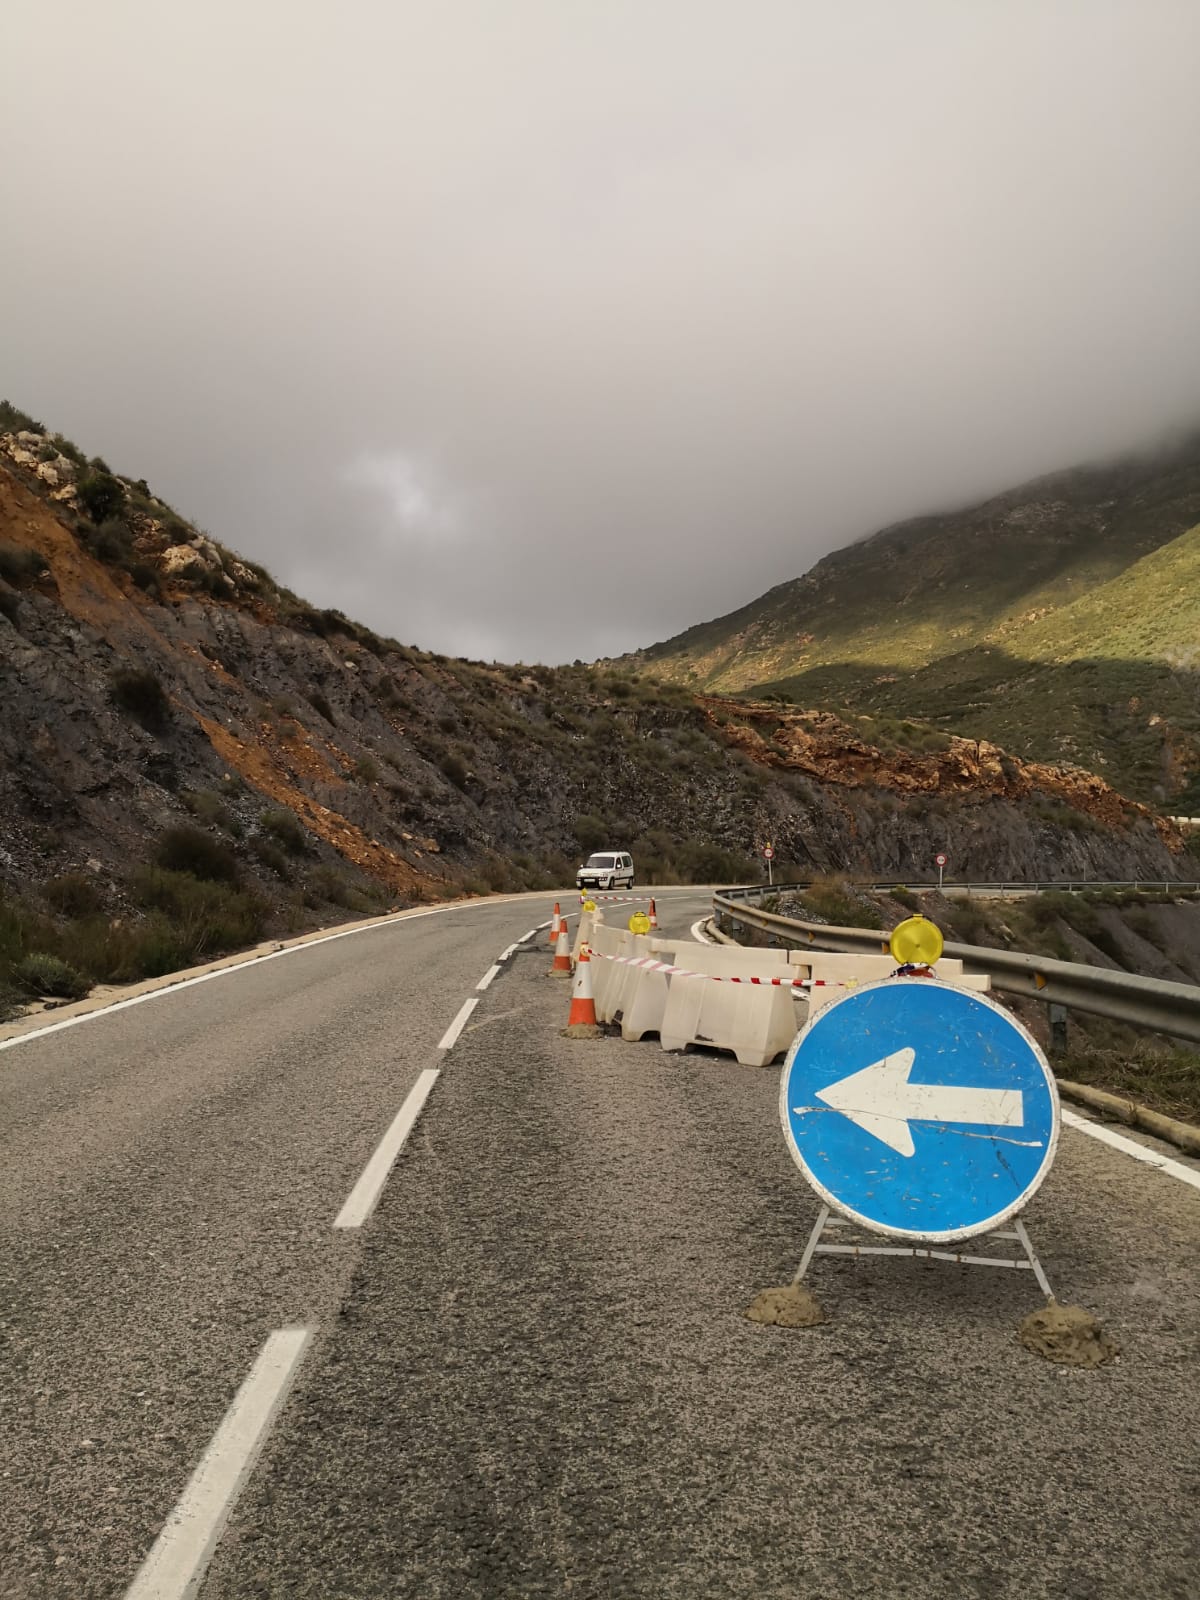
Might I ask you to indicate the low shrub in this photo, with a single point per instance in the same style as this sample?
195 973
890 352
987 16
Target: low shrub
74 894
144 575
184 849
14 420
208 916
47 975
208 806
68 448
1141 920
833 900
1079 914
1155 1072
101 495
454 768
284 826
112 541
139 692
973 923
214 581
591 833
366 770
328 884
271 856
20 566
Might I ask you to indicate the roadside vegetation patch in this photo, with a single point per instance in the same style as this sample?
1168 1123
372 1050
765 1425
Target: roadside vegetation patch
1153 1071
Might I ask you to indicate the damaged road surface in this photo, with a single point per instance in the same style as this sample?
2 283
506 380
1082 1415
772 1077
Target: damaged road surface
530 1371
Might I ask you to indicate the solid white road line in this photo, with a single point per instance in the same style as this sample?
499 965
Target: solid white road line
365 1193
698 933
221 972
179 1556
486 981
525 937
450 1037
1140 1152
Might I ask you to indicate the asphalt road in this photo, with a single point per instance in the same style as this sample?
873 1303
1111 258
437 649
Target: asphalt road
530 1373
169 1177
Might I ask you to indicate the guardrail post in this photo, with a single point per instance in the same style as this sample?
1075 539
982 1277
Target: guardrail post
1058 1029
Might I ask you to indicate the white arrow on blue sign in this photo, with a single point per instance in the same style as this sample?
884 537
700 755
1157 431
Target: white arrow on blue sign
920 1110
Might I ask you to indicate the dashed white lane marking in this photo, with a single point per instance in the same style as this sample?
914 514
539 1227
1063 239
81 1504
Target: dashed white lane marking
364 1196
1140 1152
179 1556
525 937
486 981
505 954
450 1038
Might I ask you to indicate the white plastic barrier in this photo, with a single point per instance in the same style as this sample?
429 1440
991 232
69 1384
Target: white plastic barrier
583 934
825 993
835 966
628 979
645 992
756 1022
605 980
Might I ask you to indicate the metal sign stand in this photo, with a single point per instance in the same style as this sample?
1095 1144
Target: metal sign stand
826 1219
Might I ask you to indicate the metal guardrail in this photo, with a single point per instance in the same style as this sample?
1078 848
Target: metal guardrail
968 885
1172 1008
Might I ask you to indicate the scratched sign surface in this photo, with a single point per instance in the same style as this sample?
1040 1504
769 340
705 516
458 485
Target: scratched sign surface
920 1110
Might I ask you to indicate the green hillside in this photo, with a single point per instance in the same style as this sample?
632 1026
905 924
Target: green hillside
1061 619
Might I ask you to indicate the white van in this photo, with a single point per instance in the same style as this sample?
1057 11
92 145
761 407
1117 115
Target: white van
608 869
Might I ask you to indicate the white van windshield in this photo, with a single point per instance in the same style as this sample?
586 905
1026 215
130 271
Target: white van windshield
601 861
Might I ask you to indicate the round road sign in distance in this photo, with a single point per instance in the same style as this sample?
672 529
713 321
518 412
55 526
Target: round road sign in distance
939 860
920 1110
769 853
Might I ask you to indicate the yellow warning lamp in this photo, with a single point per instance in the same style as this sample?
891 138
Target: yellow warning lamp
916 942
588 905
639 922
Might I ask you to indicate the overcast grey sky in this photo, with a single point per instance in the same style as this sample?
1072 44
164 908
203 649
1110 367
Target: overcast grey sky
545 328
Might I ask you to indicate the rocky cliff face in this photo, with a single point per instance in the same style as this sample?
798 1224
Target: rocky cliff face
150 678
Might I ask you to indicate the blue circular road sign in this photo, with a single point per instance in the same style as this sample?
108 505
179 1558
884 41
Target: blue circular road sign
920 1110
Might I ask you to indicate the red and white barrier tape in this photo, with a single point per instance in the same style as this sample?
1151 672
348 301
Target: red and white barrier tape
613 899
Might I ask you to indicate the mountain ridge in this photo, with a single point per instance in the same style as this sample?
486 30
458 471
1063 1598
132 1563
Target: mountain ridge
192 757
922 594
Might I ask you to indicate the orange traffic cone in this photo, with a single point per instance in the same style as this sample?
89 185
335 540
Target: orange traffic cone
653 917
562 953
582 1024
554 922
